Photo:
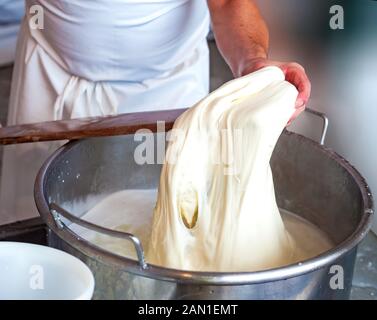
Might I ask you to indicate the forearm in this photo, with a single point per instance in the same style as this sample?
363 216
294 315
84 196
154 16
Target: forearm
241 33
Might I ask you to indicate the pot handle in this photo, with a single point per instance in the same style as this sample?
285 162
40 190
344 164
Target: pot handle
325 123
58 211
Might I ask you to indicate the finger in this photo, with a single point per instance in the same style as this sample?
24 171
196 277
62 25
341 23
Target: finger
300 80
304 89
295 115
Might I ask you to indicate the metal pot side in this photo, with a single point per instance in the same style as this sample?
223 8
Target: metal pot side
310 180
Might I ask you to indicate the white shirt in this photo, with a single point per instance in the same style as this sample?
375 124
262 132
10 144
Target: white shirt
122 40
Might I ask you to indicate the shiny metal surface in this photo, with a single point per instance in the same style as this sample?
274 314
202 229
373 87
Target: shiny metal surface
310 180
58 211
325 125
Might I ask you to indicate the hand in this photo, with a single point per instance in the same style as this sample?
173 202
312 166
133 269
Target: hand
294 73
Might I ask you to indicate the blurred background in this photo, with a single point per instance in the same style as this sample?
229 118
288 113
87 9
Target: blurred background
342 66
341 63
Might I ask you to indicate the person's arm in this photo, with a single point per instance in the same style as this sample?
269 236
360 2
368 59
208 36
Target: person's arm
242 37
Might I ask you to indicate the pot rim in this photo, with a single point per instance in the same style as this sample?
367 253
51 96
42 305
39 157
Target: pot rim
211 278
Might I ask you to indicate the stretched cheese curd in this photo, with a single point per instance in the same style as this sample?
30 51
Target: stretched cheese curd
216 207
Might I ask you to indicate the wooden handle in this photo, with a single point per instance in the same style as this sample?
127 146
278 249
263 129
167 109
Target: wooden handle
88 127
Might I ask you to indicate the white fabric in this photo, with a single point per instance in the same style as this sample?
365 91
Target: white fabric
125 40
216 207
76 68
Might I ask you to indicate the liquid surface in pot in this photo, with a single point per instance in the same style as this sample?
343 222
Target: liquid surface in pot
132 210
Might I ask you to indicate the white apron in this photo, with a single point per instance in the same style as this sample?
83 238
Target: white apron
96 58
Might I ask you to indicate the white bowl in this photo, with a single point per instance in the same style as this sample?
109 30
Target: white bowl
33 272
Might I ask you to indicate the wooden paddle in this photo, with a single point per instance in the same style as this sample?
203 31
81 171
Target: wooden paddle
127 123
88 127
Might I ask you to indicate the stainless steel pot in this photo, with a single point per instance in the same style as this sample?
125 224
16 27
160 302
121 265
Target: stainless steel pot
310 180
